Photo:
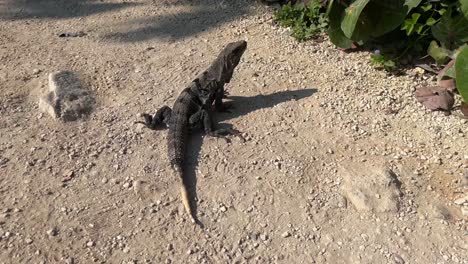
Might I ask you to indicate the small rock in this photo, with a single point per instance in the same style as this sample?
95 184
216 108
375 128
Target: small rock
66 99
52 232
263 237
28 241
461 201
464 210
286 234
398 259
68 175
371 188
137 186
115 181
90 244
104 180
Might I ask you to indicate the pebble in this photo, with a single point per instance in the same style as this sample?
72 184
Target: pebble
52 232
398 259
464 210
286 234
28 241
104 180
90 244
461 201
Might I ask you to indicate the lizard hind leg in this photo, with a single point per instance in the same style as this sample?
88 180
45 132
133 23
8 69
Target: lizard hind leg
162 116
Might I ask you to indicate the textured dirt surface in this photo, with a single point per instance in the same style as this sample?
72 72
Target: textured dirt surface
101 189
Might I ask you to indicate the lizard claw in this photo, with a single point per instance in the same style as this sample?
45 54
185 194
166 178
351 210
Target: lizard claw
223 133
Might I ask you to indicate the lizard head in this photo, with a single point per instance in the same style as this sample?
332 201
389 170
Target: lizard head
232 55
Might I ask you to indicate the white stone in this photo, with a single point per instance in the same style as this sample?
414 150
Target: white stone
370 189
66 99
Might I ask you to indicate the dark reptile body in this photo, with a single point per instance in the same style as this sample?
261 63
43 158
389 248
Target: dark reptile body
185 105
206 89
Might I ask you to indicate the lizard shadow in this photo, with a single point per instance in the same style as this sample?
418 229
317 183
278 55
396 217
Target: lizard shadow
199 16
243 105
249 104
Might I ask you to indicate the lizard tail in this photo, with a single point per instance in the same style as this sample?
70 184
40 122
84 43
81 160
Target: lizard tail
185 197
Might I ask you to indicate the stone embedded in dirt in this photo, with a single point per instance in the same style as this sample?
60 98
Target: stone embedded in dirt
66 99
3 161
68 175
371 189
461 200
52 232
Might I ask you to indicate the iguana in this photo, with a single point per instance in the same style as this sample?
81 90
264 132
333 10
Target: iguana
192 109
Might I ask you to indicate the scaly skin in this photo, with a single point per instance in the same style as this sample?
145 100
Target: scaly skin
192 109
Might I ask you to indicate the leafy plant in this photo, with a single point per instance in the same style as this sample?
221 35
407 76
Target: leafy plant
439 54
365 19
452 30
306 21
402 29
381 61
461 70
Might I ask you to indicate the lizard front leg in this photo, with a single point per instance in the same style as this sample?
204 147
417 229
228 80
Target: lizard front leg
207 120
162 116
221 106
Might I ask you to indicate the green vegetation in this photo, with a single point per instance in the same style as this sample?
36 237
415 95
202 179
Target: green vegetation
306 21
401 30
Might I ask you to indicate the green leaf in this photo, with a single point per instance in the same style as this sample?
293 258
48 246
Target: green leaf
412 4
451 32
461 70
464 7
439 54
352 14
418 28
426 7
408 27
377 18
451 72
431 21
335 33
415 17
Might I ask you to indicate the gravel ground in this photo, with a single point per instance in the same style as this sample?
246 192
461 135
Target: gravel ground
341 164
